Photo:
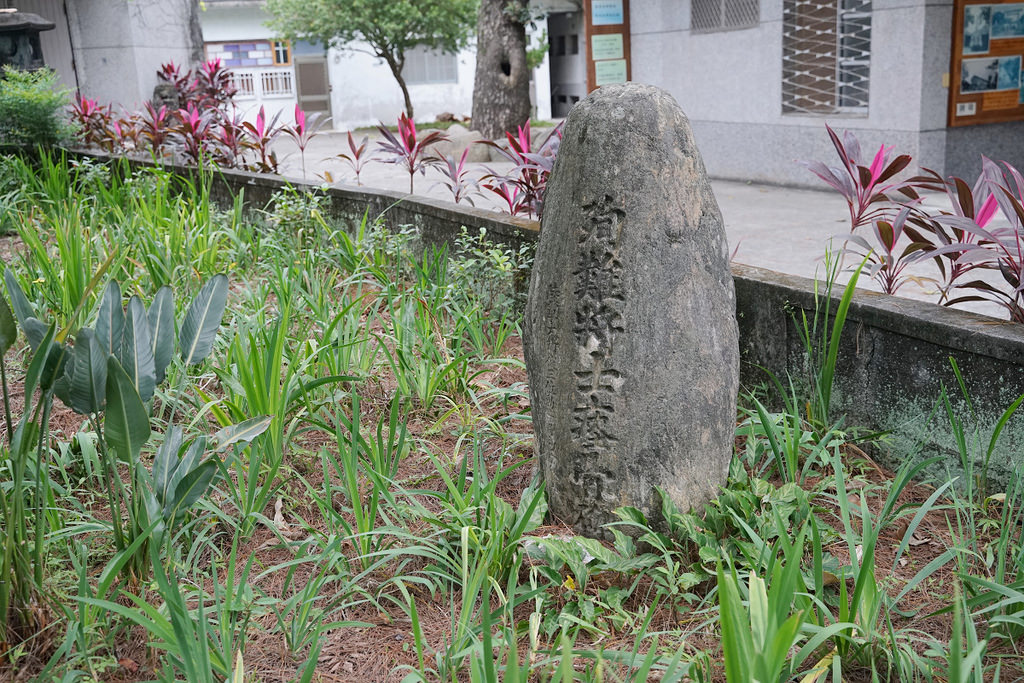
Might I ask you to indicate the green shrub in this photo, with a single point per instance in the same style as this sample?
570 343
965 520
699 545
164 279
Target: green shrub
32 108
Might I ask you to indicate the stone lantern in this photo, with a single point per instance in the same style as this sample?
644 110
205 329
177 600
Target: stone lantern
19 39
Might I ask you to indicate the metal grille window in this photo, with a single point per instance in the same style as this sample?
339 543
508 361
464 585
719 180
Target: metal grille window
424 65
723 15
826 56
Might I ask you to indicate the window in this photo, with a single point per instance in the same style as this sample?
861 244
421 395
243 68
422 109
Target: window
826 56
707 16
282 53
424 65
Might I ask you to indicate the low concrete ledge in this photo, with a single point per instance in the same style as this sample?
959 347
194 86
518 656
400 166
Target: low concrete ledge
954 329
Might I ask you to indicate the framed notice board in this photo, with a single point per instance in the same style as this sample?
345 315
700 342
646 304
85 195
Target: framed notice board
606 25
986 75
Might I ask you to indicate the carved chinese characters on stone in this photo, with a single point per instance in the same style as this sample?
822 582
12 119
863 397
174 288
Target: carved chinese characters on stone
599 297
630 330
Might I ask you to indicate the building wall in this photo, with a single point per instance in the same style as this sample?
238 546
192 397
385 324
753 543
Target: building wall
568 58
730 85
120 44
364 92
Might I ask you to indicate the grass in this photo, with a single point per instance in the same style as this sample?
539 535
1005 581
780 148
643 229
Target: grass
361 419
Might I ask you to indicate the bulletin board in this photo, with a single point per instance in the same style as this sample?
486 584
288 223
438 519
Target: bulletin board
986 75
607 31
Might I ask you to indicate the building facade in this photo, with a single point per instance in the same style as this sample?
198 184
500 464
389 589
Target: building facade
759 79
351 86
110 50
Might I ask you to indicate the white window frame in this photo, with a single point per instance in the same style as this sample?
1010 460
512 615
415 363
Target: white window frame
286 87
241 78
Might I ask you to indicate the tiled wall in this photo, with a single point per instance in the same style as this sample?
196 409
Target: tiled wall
257 53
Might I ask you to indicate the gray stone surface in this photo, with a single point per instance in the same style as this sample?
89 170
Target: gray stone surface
631 337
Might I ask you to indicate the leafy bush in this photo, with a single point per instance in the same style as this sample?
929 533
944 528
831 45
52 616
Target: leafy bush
31 107
522 189
960 241
205 128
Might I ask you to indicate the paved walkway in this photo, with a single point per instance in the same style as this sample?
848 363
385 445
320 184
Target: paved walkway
779 228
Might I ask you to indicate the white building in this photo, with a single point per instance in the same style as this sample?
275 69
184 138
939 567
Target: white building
351 86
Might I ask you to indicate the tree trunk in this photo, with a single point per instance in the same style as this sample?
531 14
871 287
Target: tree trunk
195 30
396 65
501 91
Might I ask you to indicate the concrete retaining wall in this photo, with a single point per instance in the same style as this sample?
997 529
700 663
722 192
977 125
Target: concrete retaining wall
894 361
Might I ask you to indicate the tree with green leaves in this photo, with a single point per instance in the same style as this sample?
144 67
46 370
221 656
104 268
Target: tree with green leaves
386 29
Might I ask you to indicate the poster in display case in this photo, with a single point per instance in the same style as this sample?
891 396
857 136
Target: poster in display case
986 84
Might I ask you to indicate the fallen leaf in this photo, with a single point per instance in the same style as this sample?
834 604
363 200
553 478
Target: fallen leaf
279 516
916 540
902 527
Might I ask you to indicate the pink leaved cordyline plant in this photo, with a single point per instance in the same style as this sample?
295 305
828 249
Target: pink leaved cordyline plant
154 126
194 133
982 244
171 74
261 134
963 240
123 135
303 131
405 150
529 173
213 87
509 193
456 177
230 141
357 158
91 119
863 187
887 261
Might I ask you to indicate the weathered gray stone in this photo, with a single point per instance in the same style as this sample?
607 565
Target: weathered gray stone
166 95
478 154
631 339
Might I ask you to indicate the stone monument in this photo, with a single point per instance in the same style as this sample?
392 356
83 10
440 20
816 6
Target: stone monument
631 340
19 39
